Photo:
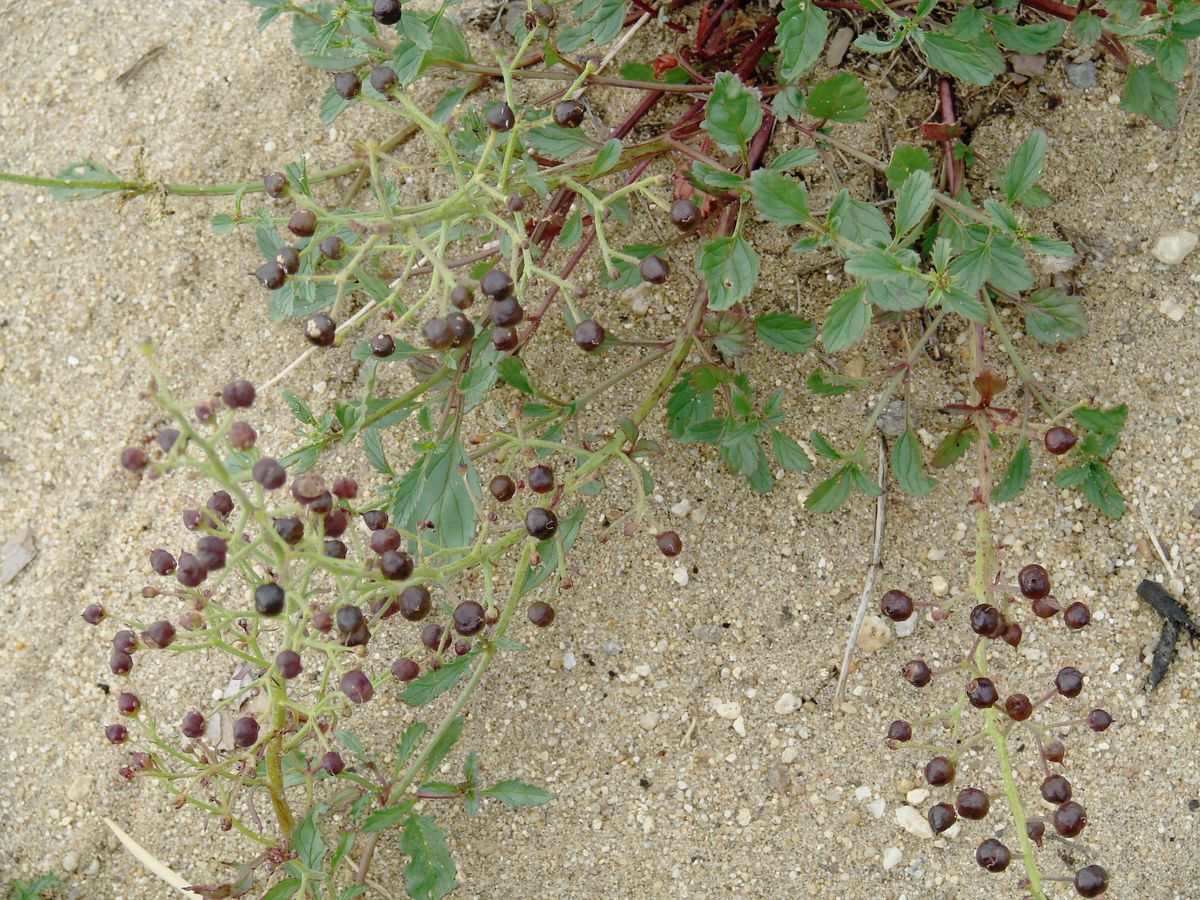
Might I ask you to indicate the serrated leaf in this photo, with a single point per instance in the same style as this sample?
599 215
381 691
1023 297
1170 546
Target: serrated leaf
847 320
1100 490
1149 94
222 224
732 114
408 742
954 445
443 745
1102 421
795 158
388 817
307 843
1086 28
841 98
912 201
373 446
432 683
1016 474
1054 317
785 331
1025 167
908 464
1034 38
512 370
778 198
556 142
832 492
858 221
436 490
714 181
823 447
299 408
518 794
609 156
444 109
598 20
332 105
789 454
283 890
803 28
729 268
964 61
906 160
430 872
1171 58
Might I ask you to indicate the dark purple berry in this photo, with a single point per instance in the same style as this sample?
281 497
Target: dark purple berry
654 269
1018 707
462 329
93 613
684 214
128 704
383 78
461 296
1059 440
1098 720
899 731
162 562
939 771
192 725
500 118
335 523
496 285
159 635
415 602
972 803
242 436
332 764
541 614
320 330
245 732
375 519
896 605
986 621
133 459
1012 634
916 672
1043 609
288 663
210 551
541 523
502 488
386 539
1077 616
1036 831
124 641
269 473
357 686
1069 681
1034 582
345 488
166 438
335 549
515 203
346 85
468 618
321 506
238 394
119 662
505 312
308 487
116 734
289 528
191 519
302 223
322 621
540 479
395 565
941 816
1054 752
981 693
349 619
1069 819
437 333
1091 881
288 259
386 12
405 669
993 855
669 543
589 335
504 339
383 345
269 599
1056 789
220 503
431 636
189 572
276 185
568 113
271 275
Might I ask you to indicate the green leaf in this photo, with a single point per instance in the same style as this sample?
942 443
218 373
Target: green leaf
444 745
408 742
729 267
351 742
841 98
825 384
389 816
778 198
556 142
789 454
1102 421
512 370
350 891
908 465
1025 167
332 105
373 445
954 445
444 109
687 408
1036 38
1086 28
609 156
864 482
871 43
847 320
912 201
732 114
1149 94
434 490
905 161
962 60
299 408
832 492
1053 317
1097 486
599 21
714 181
33 889
432 683
785 331
410 60
795 158
518 794
283 890
222 224
307 842
547 550
858 221
430 872
627 274
84 170
1171 58
803 28
1016 474
824 449
788 103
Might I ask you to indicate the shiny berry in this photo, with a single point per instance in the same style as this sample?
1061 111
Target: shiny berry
1077 616
245 732
1012 634
1054 752
505 311
415 602
120 662
289 528
192 725
386 539
288 663
1056 789
993 855
275 184
124 641
405 669
496 285
515 203
346 85
334 548
568 113
159 635
589 335
502 488
916 672
939 771
500 118
128 704
1091 881
981 693
395 565
320 330
431 636
375 519
1036 831
941 816
541 523
654 269
437 333
540 479
302 223
386 12
162 562
332 764
1034 582
668 543
986 620
504 339
133 459
541 614
1098 720
322 621
1069 681
269 473
349 619
383 345
271 275
462 329
468 618
896 605
93 613
357 686
344 487
383 78
116 734
238 394
1059 440
1069 819
461 296
684 214
269 599
972 803
288 259
1018 707
221 503
899 731
1043 609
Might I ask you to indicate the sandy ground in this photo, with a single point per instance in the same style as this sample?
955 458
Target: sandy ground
613 709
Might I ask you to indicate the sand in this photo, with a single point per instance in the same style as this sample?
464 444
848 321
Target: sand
614 709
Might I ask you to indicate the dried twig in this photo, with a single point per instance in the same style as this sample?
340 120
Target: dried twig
151 862
148 57
869 585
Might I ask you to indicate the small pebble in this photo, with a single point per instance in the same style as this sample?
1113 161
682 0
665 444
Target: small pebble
682 508
70 862
787 703
838 45
908 626
892 857
728 709
939 585
680 576
568 660
874 635
790 755
649 720
877 808
80 787
1029 64
612 648
739 725
743 817
1172 310
1172 247
913 822
917 796
1082 75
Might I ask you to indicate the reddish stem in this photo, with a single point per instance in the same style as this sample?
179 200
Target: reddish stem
952 166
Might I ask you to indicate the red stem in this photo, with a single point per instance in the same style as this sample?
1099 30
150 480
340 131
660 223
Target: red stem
950 164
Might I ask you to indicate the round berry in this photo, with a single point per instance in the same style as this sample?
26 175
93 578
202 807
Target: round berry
238 394
375 519
1018 707
245 732
505 311
128 704
541 614
568 113
468 618
540 479
162 562
395 565
405 669
269 473
288 259
504 339
1091 881
271 275
1077 616
415 602
124 641
133 459
941 816
993 855
541 523
896 605
515 203
684 214
461 296
159 635
166 438
346 85
93 613
1054 752
334 548
1034 582
437 333
1043 609
500 118
431 636
1012 634
189 572
382 345
1036 831
462 648
939 771
344 487
288 664
322 506
462 329
322 621
1056 789
1069 819
332 764
1069 681
1098 720
242 435
320 330
972 803
269 599
210 551
349 619
302 223
383 78
357 686
290 529
981 693
1059 440
275 184
496 285
899 731
986 621
669 543
192 725
386 539
116 734
386 12
191 519
916 672
307 487
120 662
502 488
589 335
654 269
221 503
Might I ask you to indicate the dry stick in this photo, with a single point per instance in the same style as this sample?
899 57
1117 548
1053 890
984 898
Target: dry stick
946 104
868 587
1154 537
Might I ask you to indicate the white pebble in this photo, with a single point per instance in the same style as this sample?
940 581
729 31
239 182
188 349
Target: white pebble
70 862
649 720
862 792
270 146
790 755
917 796
743 817
682 508
877 808
939 585
728 709
1172 310
787 703
680 576
739 725
913 822
892 857
875 634
568 660
908 626
1173 246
